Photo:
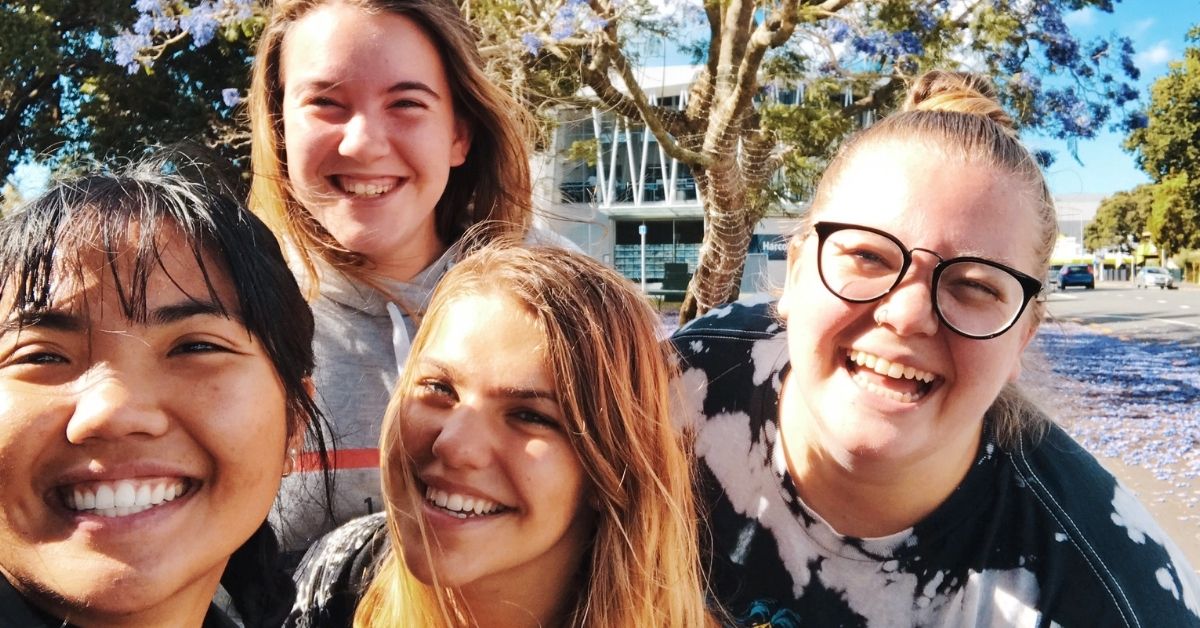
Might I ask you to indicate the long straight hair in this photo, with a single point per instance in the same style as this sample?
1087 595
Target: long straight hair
613 384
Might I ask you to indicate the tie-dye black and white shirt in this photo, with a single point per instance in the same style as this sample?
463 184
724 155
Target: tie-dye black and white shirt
1037 536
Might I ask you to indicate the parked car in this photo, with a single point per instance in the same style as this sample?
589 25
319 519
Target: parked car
1052 276
1076 275
1154 276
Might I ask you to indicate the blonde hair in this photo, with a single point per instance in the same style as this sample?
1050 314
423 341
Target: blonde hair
613 386
958 112
493 186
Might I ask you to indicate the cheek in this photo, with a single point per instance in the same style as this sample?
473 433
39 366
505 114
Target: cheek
302 142
418 431
552 470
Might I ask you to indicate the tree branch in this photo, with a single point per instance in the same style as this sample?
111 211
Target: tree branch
649 114
33 90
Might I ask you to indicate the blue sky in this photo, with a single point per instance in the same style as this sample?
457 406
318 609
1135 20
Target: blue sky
1157 28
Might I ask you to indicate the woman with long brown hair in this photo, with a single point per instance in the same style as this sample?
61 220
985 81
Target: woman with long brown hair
532 474
377 143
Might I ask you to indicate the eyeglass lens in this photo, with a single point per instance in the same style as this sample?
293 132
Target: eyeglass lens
974 298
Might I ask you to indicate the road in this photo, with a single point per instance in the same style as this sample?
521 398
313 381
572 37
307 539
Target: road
1119 368
1116 307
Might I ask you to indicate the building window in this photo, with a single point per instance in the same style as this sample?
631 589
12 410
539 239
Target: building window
666 241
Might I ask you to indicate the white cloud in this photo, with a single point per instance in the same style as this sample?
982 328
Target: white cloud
1139 28
1082 18
1157 54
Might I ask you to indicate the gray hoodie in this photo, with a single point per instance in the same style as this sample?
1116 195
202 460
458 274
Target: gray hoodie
360 348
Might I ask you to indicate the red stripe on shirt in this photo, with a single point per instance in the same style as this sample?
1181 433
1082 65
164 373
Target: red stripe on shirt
341 459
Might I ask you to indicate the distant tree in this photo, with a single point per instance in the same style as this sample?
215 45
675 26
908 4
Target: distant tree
735 140
1168 149
1173 216
1120 220
64 96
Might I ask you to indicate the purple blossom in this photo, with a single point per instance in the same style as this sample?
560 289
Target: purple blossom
144 25
126 46
561 30
594 23
231 97
533 44
201 23
148 6
1044 158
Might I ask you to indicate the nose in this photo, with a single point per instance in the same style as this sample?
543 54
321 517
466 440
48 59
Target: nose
464 440
114 408
908 308
364 137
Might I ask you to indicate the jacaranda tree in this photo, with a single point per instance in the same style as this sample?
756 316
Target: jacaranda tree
733 139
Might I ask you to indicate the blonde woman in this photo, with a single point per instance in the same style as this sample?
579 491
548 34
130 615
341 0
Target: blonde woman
868 459
532 475
378 142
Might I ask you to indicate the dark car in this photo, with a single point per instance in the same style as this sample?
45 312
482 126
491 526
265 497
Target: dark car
1076 275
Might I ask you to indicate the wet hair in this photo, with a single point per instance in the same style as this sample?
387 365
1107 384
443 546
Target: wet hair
958 113
612 381
493 186
125 215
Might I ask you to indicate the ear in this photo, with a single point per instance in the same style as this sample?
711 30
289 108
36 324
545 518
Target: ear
295 441
461 144
790 280
1027 335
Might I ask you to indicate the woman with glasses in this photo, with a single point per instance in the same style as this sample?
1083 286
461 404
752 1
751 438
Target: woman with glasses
867 457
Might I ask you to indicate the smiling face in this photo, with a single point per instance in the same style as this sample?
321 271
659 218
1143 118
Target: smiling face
136 457
885 382
370 132
504 489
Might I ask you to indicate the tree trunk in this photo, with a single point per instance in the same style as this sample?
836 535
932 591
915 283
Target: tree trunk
727 232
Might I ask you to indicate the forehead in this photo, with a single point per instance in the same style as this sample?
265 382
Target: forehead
131 279
931 199
347 44
489 332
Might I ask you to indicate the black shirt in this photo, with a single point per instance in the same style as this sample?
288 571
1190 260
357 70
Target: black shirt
1038 535
17 612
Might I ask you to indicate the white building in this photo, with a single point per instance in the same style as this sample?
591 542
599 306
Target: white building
632 183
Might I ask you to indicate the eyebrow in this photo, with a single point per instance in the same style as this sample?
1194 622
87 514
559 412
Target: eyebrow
55 320
400 86
60 320
176 312
502 392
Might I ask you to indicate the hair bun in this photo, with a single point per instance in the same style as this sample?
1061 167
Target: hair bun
961 92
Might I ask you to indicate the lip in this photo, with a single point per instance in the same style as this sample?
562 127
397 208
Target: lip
884 399
92 475
439 517
338 181
441 484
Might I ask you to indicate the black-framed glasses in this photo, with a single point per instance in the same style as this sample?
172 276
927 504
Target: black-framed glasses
973 296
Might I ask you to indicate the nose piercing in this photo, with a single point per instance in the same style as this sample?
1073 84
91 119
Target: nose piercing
881 316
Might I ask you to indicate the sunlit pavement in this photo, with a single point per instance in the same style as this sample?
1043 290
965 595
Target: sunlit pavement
1120 369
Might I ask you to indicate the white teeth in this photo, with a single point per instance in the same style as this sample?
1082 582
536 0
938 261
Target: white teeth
123 498
884 392
125 495
104 497
889 369
364 189
461 505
